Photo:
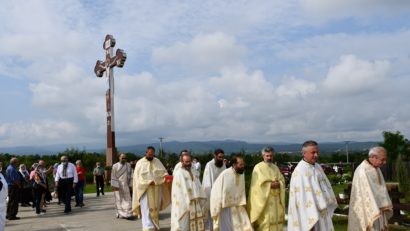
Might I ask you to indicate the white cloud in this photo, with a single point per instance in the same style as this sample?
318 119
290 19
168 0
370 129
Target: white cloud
329 47
210 52
322 10
48 132
259 71
355 76
292 87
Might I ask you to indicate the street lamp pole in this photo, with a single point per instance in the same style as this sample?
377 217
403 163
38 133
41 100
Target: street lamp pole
107 66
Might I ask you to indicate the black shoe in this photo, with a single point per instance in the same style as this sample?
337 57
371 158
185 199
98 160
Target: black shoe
82 204
76 205
98 195
131 218
102 193
13 218
43 211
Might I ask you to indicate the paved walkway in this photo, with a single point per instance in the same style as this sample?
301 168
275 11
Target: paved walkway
97 214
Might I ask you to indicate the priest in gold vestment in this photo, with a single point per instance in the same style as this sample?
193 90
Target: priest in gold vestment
370 205
188 198
150 192
311 197
266 204
228 199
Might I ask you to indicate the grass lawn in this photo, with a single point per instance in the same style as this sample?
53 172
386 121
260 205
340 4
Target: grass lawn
90 188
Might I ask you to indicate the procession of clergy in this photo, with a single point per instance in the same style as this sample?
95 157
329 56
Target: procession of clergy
220 203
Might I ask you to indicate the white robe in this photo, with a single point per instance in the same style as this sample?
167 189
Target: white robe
121 178
370 205
3 204
211 172
311 199
228 201
188 201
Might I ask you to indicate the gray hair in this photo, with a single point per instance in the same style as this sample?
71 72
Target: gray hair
267 149
13 160
376 150
307 144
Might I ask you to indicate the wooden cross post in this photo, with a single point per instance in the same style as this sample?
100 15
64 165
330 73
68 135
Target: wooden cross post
107 66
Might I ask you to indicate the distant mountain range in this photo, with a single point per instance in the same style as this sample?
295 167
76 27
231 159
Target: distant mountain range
229 146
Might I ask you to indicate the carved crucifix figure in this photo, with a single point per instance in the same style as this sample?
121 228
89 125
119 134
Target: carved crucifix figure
107 66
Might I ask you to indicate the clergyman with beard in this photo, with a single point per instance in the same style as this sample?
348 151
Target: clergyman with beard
121 182
151 193
212 170
228 199
188 198
266 205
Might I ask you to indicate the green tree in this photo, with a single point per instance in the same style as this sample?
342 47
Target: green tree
402 176
395 143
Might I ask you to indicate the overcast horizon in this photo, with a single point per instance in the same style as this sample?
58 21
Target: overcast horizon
259 71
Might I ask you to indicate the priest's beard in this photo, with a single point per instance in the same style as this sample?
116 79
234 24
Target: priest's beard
239 170
187 167
219 163
149 158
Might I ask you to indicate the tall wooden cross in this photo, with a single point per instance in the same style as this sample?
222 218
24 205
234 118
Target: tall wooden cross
107 66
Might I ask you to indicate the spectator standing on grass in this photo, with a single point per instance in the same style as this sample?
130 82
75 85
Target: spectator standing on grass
99 177
79 192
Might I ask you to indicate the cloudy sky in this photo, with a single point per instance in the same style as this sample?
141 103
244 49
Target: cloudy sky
257 71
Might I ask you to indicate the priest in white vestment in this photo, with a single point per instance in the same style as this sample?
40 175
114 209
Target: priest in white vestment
121 181
151 193
370 206
212 170
311 197
188 199
228 199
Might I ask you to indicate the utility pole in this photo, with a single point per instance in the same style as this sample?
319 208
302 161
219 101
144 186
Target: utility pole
347 151
161 151
107 66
